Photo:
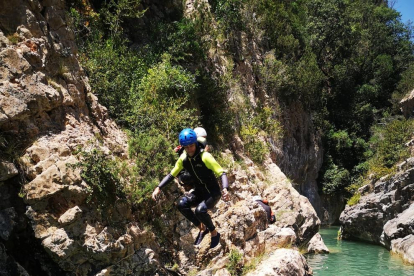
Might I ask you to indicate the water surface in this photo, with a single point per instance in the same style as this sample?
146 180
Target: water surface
350 258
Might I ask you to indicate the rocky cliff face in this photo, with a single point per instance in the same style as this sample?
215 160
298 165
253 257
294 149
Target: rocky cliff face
47 110
300 155
384 215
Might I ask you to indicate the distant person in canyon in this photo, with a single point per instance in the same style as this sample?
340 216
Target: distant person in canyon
204 171
201 140
271 218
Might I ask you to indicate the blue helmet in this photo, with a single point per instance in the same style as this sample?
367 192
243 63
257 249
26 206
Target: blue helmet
187 137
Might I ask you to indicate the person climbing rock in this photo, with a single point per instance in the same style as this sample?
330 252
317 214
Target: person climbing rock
271 218
204 170
202 137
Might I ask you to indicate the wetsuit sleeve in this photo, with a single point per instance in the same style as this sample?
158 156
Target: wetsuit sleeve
178 166
165 180
224 181
212 164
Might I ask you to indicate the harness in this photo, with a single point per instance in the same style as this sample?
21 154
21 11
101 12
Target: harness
203 175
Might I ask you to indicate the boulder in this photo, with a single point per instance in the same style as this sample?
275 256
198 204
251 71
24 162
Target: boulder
407 104
385 216
283 262
404 247
7 170
316 245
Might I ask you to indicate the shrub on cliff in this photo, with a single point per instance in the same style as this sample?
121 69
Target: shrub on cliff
388 146
101 173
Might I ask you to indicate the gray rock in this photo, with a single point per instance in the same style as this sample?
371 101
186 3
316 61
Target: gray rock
7 171
407 105
404 247
8 266
7 222
316 245
70 215
283 262
385 216
401 226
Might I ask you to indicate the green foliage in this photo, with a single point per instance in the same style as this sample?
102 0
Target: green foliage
306 79
283 23
235 264
216 115
354 199
154 155
356 44
226 161
405 86
228 14
388 145
115 12
101 173
266 120
14 38
253 147
387 149
193 272
343 60
335 179
260 122
273 72
113 70
180 39
406 83
160 99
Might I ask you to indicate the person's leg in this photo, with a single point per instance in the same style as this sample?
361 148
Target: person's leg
184 206
201 213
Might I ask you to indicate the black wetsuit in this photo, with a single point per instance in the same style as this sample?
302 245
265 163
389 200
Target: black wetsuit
204 169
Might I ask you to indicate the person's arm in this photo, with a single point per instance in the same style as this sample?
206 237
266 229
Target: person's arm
174 172
224 181
225 184
212 164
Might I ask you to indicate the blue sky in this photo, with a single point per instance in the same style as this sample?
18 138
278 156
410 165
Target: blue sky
406 8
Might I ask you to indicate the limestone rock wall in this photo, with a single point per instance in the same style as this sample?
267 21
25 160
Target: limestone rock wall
407 105
48 110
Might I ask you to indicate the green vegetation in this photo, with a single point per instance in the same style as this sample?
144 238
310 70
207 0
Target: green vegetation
354 199
235 264
14 38
253 147
387 147
102 174
253 263
347 63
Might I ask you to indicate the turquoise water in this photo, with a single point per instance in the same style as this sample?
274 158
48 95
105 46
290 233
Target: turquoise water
349 258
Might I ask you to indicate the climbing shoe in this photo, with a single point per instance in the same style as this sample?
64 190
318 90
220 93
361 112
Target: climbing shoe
200 236
215 240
